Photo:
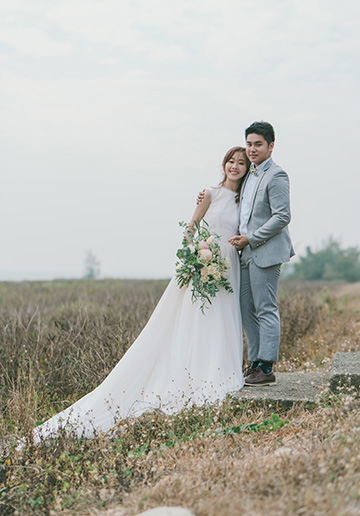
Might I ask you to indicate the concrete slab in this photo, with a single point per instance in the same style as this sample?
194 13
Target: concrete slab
167 511
345 372
290 389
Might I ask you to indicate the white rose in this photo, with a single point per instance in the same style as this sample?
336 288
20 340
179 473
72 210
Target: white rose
211 269
210 240
203 275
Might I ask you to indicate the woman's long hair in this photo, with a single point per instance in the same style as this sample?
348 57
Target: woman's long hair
230 153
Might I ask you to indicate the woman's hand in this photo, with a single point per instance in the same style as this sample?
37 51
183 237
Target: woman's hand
200 197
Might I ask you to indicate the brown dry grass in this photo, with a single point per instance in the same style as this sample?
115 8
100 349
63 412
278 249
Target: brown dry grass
62 338
318 320
311 467
59 339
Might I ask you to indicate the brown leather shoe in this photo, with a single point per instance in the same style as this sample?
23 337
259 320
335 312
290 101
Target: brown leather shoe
248 370
258 378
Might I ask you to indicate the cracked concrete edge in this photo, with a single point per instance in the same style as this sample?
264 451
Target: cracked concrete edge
345 372
280 404
291 389
167 511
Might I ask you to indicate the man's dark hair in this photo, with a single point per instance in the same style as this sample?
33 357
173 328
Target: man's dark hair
265 130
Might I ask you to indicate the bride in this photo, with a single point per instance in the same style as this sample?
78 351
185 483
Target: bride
182 357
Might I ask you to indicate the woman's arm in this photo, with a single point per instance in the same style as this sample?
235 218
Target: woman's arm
200 211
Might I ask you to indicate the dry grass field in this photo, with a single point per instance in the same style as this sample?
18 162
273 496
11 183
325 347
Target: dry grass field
58 340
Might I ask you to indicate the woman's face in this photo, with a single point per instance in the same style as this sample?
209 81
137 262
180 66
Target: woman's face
236 167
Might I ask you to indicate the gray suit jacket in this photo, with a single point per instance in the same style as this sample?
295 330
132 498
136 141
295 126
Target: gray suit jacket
268 234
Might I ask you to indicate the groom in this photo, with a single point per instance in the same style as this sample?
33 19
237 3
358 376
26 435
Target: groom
264 244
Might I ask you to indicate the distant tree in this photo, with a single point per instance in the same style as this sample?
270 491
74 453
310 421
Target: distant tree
329 263
91 265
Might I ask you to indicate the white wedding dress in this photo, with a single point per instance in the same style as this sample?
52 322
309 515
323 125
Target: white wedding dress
182 357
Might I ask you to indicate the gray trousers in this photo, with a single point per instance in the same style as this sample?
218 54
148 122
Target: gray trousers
259 311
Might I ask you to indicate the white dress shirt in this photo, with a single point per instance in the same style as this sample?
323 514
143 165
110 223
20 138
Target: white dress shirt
247 195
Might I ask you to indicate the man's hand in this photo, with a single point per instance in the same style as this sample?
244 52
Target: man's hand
239 241
200 197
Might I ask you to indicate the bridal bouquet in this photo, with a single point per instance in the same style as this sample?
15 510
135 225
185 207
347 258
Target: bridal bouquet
201 263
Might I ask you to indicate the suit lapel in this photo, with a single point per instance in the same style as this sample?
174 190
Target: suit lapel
267 166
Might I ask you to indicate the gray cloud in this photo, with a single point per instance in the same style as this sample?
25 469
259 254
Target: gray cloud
114 115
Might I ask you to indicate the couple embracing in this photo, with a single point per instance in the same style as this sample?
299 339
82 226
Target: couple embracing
183 357
264 244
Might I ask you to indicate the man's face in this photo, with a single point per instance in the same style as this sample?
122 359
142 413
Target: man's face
257 148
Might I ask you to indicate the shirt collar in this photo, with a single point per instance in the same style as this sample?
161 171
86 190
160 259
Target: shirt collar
262 165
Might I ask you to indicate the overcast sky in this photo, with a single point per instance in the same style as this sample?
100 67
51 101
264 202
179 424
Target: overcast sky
115 113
